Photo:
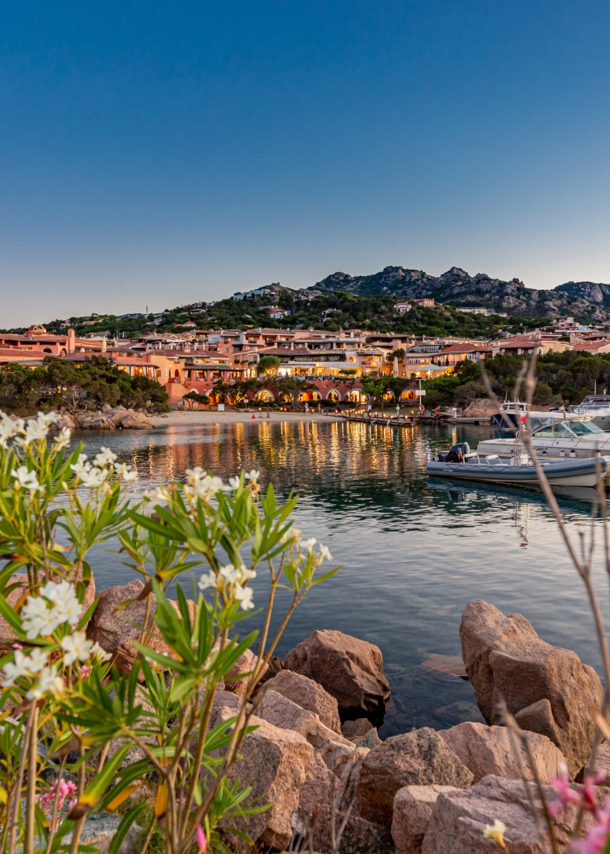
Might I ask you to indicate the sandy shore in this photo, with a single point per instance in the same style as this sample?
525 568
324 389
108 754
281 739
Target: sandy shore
189 419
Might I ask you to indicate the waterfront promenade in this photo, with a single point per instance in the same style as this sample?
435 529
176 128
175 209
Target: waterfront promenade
190 419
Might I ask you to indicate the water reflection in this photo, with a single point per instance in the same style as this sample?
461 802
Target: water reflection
415 551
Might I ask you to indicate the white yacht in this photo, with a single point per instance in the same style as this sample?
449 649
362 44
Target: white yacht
513 411
569 438
598 407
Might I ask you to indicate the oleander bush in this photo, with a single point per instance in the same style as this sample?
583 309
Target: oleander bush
67 716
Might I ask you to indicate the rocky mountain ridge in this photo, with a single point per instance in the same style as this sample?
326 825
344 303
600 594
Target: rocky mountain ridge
586 300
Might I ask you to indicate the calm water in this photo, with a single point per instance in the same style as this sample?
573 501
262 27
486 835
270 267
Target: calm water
414 552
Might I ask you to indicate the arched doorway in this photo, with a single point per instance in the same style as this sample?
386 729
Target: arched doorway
333 395
309 396
264 396
355 395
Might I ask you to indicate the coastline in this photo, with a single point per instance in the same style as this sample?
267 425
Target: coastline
201 417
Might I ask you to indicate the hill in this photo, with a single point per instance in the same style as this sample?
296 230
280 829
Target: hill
585 300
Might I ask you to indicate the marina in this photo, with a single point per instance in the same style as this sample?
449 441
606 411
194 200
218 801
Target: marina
407 541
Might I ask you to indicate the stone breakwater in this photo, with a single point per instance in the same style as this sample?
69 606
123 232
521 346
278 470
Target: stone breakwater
317 759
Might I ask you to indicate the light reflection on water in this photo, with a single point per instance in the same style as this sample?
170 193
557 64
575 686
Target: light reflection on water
414 552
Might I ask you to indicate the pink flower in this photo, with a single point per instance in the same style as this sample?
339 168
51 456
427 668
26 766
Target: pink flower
201 840
562 786
597 836
590 792
84 671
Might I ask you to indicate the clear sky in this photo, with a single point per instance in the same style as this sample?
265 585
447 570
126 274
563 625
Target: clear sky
158 153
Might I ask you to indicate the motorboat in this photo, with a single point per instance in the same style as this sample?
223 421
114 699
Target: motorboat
598 407
576 436
460 463
512 413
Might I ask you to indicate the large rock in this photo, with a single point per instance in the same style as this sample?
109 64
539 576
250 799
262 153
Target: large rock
309 695
275 763
546 688
332 747
351 670
318 790
488 750
359 835
459 819
413 808
418 758
115 630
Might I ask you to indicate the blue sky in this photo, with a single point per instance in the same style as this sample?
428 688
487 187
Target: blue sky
156 153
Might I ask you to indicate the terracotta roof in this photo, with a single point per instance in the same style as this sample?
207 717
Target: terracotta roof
591 345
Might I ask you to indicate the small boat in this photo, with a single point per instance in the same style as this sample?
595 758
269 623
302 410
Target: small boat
575 436
598 407
512 413
462 464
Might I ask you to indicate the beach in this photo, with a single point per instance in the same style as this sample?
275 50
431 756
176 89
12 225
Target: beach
195 418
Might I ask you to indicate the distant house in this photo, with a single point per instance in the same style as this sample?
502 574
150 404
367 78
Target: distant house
278 313
424 303
189 324
328 311
402 307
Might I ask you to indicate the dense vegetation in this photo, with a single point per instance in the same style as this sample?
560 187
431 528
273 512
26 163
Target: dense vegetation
563 378
329 312
63 384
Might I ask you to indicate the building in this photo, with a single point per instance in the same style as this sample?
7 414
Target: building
537 342
402 307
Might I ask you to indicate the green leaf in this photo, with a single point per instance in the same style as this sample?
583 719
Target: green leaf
326 576
10 615
127 821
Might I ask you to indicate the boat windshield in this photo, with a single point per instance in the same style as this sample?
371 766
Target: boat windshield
584 428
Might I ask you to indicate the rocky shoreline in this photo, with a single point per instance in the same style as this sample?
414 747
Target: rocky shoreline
107 418
317 758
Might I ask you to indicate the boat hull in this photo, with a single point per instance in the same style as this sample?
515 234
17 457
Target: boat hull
552 448
564 473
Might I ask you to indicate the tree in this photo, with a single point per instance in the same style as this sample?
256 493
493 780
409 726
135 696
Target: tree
195 397
396 354
268 365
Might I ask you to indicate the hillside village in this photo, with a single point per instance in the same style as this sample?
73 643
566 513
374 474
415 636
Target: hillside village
328 366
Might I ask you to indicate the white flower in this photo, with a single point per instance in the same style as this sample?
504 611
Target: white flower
234 483
81 467
309 544
246 574
9 428
24 665
99 653
34 431
244 597
104 458
252 475
76 648
38 619
496 832
49 683
48 418
26 478
67 608
194 475
14 670
201 485
208 579
325 553
230 573
125 473
37 659
94 477
63 440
